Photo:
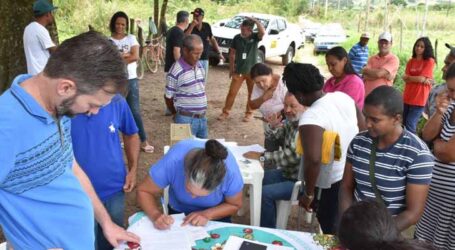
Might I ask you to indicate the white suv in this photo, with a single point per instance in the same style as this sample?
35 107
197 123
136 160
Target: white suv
281 38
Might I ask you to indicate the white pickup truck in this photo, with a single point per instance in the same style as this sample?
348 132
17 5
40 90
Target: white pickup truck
281 38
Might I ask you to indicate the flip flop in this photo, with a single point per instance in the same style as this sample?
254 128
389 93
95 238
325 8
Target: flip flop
148 149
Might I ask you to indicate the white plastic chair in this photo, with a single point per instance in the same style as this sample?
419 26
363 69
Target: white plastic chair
283 207
166 189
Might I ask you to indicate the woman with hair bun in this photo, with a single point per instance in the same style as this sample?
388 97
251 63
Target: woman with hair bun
204 182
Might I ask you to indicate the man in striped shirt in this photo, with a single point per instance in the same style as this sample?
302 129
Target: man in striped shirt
185 88
359 53
401 164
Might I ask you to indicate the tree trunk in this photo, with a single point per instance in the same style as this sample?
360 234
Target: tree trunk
156 11
14 16
163 16
366 15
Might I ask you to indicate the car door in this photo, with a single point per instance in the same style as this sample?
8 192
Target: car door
273 39
285 37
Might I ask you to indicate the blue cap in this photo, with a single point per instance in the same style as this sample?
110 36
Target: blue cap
41 7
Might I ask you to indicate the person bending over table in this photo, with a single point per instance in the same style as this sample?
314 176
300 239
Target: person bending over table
204 183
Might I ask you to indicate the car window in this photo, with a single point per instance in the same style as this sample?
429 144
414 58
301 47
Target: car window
273 25
235 22
281 25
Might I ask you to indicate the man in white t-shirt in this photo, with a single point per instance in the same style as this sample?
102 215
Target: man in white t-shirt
334 112
37 42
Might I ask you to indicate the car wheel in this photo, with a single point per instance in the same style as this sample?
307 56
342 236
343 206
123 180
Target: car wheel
260 56
287 58
213 61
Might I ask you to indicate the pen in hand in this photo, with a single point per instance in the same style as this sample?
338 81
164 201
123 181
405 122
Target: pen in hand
165 212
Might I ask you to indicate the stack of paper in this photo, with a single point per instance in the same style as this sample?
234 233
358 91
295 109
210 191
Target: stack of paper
234 243
176 238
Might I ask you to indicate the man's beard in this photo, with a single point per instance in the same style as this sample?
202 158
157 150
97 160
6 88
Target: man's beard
64 109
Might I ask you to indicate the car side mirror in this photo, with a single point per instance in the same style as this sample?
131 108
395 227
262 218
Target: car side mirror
274 32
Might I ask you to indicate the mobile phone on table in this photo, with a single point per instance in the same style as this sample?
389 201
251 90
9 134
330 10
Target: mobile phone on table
246 245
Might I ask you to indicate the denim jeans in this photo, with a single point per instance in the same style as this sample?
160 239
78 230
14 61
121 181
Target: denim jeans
274 187
205 64
115 206
132 98
411 117
198 125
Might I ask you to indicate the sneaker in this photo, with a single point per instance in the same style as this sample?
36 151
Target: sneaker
222 117
247 118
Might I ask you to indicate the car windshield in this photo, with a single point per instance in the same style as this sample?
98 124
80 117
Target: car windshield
235 22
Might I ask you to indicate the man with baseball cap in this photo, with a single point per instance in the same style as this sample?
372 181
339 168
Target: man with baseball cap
382 68
37 42
430 106
203 30
359 53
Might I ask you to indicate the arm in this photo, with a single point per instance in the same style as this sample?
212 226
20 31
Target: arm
132 144
170 90
373 74
170 105
176 53
231 62
132 56
420 79
52 49
444 150
190 28
346 193
147 194
111 231
261 29
416 195
360 120
229 207
311 136
433 127
214 44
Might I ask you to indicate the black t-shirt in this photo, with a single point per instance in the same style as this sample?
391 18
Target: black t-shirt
205 34
174 38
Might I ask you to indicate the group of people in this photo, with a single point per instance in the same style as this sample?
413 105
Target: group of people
350 139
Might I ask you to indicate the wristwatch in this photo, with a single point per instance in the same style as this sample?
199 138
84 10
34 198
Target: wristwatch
261 158
307 195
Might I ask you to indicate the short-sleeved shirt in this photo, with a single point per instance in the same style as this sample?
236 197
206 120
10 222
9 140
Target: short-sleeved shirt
37 41
186 86
358 55
430 106
390 62
246 50
351 85
333 112
274 104
407 161
96 145
174 38
124 45
170 171
416 93
43 204
205 34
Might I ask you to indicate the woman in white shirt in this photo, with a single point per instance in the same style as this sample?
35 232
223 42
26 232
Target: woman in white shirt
129 48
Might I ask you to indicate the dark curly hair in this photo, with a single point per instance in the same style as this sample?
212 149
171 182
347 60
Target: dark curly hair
114 19
428 52
302 78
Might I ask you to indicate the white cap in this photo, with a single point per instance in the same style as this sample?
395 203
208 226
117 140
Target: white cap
385 36
365 35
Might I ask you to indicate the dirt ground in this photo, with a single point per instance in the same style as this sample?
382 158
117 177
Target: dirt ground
233 129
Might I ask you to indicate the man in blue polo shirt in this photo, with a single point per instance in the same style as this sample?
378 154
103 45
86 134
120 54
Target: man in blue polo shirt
46 200
359 53
98 151
185 88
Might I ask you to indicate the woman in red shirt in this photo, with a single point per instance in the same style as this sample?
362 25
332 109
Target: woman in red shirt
419 78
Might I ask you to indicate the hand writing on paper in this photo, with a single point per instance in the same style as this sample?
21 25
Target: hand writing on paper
114 234
252 155
195 219
163 222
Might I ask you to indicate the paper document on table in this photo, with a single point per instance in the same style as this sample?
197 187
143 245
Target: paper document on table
176 238
234 243
238 151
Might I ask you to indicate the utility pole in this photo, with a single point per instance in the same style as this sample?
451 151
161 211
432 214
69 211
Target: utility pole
424 22
366 15
326 8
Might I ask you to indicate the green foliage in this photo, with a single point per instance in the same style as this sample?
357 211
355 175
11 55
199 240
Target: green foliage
399 2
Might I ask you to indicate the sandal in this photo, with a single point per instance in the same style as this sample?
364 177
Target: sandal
148 149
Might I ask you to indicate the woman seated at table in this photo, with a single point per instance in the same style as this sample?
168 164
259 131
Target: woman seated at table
204 183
